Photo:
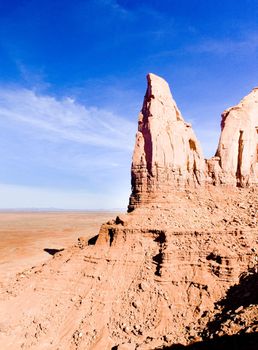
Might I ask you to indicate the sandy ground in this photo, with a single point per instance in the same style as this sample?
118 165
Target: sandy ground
25 235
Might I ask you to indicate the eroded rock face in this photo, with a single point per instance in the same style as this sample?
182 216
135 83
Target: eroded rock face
168 156
167 152
154 277
238 145
149 279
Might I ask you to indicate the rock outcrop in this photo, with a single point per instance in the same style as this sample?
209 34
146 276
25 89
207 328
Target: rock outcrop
168 156
238 146
167 153
153 277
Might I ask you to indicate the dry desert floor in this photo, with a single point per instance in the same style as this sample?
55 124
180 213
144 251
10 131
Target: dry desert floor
29 238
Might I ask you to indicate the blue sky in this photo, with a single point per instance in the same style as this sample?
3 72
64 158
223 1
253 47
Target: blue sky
72 80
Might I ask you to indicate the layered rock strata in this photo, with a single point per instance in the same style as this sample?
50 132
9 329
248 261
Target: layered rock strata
147 282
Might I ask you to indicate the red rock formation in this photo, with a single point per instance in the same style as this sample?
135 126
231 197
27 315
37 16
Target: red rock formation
154 276
167 152
238 145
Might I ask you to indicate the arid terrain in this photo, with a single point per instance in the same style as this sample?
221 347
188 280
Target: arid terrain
29 238
178 270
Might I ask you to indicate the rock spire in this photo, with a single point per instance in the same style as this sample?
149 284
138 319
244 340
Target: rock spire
167 152
238 145
168 156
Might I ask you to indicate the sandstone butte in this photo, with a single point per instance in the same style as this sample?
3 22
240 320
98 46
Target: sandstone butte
167 154
179 268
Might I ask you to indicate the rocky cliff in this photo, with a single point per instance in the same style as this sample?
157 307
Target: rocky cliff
179 268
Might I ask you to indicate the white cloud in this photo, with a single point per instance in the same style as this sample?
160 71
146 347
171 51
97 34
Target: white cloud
65 119
59 153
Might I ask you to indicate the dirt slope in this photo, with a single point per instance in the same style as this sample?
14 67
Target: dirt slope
150 279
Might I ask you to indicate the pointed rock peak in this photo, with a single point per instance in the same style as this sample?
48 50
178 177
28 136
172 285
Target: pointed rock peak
167 153
157 87
251 98
158 101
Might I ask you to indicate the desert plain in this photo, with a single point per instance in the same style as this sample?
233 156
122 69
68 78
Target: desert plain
28 238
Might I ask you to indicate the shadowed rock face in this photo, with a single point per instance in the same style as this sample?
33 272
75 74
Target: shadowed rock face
168 156
167 152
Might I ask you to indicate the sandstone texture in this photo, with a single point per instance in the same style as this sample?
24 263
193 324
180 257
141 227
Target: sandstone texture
238 145
180 269
167 152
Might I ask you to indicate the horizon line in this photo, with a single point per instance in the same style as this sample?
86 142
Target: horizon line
59 210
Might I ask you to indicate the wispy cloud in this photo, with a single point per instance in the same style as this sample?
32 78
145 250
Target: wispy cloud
65 119
244 45
60 153
32 77
115 8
